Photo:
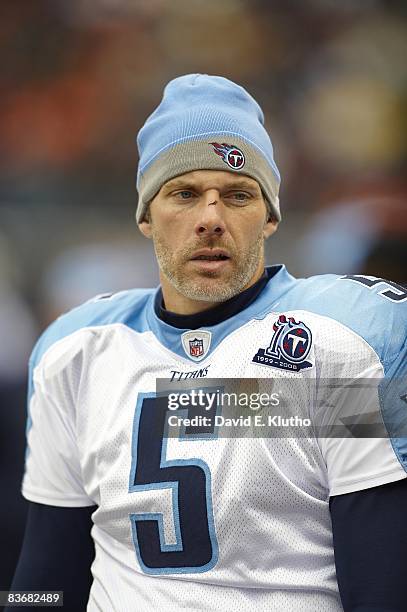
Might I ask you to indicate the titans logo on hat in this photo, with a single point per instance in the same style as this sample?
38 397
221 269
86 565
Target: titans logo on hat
231 155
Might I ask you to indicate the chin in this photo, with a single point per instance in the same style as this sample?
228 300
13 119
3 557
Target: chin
217 291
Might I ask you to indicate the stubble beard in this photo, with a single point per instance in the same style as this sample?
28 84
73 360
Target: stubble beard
209 287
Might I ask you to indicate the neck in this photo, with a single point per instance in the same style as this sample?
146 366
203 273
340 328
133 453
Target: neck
217 314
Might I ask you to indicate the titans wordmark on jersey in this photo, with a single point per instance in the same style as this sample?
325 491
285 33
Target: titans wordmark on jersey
212 522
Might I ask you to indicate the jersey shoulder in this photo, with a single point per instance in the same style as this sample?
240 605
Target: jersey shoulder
126 307
373 308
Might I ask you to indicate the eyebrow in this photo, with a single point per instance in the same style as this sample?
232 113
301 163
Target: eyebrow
237 183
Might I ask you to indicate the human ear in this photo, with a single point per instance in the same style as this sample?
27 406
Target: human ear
145 228
269 228
145 225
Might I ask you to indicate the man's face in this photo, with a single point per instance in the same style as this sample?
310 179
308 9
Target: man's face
208 229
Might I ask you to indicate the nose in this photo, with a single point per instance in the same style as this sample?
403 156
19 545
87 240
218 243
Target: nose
210 221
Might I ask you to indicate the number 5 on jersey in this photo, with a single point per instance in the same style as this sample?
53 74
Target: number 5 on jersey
174 533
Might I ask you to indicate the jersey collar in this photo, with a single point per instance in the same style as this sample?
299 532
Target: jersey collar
231 315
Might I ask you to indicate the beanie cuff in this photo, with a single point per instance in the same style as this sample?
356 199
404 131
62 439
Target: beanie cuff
201 154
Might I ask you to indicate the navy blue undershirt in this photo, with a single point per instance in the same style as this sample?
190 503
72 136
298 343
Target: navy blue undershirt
369 527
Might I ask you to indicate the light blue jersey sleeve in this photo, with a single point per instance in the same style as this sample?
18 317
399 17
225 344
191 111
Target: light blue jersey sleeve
376 310
53 473
126 307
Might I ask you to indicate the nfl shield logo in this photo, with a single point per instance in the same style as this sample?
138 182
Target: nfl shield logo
196 347
196 343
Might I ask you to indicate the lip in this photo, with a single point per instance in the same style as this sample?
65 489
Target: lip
210 252
205 265
210 266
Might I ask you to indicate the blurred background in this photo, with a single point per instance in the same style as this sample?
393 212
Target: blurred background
78 80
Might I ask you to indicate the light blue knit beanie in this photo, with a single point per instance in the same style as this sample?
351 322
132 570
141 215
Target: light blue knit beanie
205 123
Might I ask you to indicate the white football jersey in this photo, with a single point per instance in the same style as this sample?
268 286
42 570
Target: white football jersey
194 519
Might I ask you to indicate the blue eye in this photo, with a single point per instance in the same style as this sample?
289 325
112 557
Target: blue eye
241 196
185 194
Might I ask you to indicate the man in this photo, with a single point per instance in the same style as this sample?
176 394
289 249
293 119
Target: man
198 521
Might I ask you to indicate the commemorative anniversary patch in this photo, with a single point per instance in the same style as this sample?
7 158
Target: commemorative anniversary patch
289 346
